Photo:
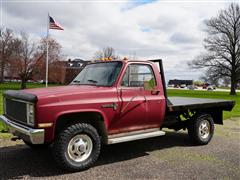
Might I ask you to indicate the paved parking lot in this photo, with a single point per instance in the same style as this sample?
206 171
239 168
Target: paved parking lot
168 157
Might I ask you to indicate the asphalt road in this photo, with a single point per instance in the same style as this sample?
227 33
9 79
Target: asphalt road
167 157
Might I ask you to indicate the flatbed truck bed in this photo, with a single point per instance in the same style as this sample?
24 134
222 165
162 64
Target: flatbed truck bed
186 103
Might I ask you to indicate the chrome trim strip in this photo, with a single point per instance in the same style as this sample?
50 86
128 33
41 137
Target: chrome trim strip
34 136
113 105
135 137
143 131
22 101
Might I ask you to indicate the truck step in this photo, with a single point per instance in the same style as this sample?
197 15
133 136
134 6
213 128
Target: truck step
134 137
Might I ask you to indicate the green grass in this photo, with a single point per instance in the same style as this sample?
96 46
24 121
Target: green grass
5 135
211 95
17 85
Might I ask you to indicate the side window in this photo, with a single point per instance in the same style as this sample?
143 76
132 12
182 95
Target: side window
137 74
125 80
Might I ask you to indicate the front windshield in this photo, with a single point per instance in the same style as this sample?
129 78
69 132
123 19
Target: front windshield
99 74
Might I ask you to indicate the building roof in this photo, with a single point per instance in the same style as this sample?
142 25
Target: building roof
75 63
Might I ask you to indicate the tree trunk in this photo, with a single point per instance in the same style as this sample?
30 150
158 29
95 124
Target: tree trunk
233 85
23 83
2 73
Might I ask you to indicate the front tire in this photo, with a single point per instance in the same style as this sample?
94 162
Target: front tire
201 129
77 147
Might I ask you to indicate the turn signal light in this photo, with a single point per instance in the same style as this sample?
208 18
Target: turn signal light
106 59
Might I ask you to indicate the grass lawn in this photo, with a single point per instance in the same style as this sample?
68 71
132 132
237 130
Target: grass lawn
17 85
211 95
171 92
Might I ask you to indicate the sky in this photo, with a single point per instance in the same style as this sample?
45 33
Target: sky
172 30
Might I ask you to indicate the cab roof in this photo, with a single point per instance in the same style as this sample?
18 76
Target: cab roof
124 61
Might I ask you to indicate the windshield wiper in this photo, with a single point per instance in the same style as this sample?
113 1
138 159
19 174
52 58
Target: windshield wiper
93 81
76 81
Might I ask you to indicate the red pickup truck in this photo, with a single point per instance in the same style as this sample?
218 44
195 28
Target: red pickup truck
108 102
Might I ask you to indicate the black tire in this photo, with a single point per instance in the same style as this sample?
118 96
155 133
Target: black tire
201 129
77 138
36 146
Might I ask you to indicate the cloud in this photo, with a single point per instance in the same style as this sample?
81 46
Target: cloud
182 38
148 29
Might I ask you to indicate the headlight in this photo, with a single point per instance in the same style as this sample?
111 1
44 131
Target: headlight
30 114
31 109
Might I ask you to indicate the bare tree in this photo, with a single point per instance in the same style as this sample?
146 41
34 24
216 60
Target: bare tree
107 52
210 78
23 61
54 55
223 46
54 49
5 49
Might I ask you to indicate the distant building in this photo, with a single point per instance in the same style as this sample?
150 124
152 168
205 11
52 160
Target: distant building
71 69
59 71
178 82
75 63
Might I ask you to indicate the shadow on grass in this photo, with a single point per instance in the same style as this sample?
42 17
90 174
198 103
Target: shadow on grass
20 160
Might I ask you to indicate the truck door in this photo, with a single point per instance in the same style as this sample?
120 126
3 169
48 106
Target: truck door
135 108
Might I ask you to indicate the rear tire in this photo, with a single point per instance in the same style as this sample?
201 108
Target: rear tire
201 129
77 147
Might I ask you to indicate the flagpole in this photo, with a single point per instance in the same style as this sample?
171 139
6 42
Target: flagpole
47 51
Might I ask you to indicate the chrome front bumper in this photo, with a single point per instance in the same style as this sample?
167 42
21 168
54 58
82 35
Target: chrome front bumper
34 136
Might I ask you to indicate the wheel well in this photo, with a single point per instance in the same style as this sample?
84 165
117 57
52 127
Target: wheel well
182 119
93 118
216 114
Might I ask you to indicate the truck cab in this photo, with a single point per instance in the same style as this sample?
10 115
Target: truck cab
108 102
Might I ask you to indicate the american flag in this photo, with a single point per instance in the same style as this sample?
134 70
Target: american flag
53 24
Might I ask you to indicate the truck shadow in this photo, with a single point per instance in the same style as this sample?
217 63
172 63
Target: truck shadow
20 160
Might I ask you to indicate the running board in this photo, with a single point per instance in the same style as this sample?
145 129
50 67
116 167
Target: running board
135 137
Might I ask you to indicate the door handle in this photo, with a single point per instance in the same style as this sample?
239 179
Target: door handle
155 92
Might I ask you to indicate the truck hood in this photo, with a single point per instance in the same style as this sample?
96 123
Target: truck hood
63 91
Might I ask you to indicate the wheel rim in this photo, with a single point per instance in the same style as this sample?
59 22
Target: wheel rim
80 147
204 129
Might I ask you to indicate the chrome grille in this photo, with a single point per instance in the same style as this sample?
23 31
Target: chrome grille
16 110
